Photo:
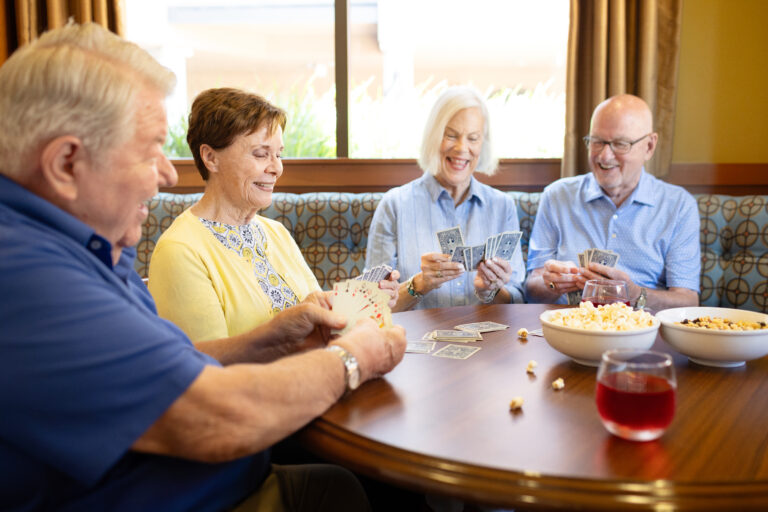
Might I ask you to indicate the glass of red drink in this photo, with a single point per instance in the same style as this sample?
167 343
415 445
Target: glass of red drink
605 291
636 393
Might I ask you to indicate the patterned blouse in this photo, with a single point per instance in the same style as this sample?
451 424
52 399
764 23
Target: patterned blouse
250 242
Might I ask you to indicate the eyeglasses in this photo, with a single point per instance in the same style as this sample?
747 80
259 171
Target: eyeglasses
620 147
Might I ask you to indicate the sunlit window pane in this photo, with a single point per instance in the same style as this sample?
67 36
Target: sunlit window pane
281 50
404 53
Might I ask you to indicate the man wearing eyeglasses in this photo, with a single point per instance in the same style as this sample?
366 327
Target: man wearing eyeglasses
652 225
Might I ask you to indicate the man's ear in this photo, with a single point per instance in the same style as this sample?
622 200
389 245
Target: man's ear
650 146
59 162
209 157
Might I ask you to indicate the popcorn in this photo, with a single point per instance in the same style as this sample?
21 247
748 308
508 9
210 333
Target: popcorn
522 333
516 403
723 324
612 317
558 384
531 366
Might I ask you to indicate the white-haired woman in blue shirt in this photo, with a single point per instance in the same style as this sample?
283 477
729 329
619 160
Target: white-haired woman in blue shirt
456 144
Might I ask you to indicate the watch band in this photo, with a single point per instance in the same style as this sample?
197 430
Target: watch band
411 290
352 370
641 299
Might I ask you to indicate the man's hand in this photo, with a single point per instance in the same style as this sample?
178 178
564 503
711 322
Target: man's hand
304 326
391 286
598 271
377 351
562 276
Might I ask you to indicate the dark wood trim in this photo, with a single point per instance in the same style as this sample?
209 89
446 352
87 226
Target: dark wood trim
341 54
369 175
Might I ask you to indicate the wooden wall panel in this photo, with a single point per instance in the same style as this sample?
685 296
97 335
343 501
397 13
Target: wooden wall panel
358 175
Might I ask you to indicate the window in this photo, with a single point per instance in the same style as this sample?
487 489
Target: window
402 55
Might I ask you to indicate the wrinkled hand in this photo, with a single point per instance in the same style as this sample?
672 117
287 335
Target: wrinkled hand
437 269
304 326
564 275
391 286
492 275
598 271
377 351
319 298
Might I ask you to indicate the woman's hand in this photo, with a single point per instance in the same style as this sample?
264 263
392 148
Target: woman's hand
392 287
492 275
436 269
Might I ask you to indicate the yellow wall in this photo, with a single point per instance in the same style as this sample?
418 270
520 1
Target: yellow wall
722 99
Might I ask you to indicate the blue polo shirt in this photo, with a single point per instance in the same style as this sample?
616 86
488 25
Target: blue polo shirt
655 230
86 366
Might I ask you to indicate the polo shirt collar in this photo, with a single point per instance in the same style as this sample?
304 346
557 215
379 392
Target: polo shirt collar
34 207
435 189
643 192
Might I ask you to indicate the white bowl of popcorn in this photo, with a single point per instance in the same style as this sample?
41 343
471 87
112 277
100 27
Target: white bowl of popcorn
715 336
584 333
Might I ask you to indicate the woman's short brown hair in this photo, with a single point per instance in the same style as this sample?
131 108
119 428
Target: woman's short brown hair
220 115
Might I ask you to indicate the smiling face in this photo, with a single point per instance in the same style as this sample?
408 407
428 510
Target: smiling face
625 118
115 188
460 149
245 172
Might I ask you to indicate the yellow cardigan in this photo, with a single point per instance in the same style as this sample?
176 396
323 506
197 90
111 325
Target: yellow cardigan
208 290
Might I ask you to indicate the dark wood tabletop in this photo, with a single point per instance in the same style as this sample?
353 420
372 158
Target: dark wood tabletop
443 426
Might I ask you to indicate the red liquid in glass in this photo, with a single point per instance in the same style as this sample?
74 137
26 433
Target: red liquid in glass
651 408
604 301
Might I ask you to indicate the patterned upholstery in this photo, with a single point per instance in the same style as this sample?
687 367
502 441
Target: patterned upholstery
332 231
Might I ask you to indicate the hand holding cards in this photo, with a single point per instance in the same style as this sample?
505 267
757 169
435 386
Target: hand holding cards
375 274
360 299
603 257
502 246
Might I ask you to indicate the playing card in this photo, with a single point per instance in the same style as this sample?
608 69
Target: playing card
428 335
420 347
456 351
456 335
477 255
602 257
507 244
458 255
449 239
360 299
482 327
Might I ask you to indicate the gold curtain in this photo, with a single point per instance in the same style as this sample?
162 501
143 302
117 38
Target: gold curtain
615 47
24 20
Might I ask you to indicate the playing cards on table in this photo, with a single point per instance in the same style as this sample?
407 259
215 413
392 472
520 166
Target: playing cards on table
361 299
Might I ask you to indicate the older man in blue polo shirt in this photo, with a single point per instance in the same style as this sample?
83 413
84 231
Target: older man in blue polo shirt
103 405
654 226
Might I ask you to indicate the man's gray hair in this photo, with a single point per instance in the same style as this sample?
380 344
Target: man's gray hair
448 105
79 80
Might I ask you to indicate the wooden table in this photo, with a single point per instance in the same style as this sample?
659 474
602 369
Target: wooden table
443 426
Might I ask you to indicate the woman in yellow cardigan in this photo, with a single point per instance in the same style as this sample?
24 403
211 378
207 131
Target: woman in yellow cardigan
220 269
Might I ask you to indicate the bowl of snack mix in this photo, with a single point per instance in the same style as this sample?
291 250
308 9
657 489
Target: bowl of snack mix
715 336
585 332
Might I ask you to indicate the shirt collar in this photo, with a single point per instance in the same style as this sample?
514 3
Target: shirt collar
643 192
435 189
34 207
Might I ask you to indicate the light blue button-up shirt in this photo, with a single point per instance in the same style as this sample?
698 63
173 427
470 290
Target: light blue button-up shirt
655 230
407 218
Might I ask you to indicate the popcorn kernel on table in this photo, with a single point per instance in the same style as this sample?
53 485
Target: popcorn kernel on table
531 368
516 403
558 384
522 333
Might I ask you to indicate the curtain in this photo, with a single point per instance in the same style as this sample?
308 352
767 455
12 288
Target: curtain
615 47
24 20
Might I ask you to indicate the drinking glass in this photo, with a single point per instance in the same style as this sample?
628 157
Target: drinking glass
636 393
605 291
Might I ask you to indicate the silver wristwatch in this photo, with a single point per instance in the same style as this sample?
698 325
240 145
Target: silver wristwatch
352 375
640 302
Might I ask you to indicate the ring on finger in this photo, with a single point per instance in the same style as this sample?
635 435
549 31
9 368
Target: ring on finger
439 274
552 285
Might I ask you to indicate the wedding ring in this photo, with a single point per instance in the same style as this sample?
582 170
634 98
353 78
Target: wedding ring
552 285
439 274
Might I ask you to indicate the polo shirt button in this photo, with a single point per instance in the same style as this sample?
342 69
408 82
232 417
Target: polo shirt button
95 245
615 216
613 235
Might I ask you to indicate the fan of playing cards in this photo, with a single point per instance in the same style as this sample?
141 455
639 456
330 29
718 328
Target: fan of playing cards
361 299
501 246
